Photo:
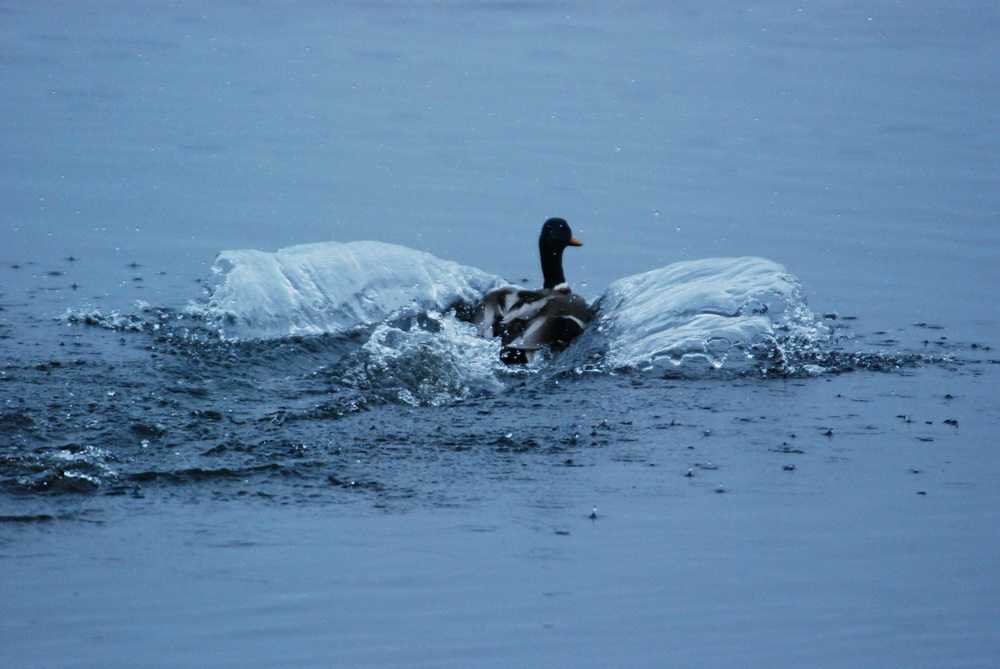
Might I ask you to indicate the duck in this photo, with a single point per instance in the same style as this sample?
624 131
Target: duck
529 320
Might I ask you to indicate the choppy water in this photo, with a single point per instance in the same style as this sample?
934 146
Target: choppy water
243 417
228 391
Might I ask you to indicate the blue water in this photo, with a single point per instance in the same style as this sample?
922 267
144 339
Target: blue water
179 488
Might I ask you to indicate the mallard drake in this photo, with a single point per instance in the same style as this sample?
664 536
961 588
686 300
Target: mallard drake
527 320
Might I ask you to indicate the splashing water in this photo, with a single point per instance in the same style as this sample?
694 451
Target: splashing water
429 359
331 287
399 319
231 387
700 314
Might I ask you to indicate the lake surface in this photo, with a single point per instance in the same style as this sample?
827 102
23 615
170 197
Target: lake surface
184 482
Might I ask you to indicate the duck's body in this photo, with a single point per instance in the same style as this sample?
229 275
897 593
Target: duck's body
527 320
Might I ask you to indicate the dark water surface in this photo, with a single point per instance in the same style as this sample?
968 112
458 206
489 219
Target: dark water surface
822 492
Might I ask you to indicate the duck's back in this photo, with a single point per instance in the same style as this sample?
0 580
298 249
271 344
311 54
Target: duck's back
532 319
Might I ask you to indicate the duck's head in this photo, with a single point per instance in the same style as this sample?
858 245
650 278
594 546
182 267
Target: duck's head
555 237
